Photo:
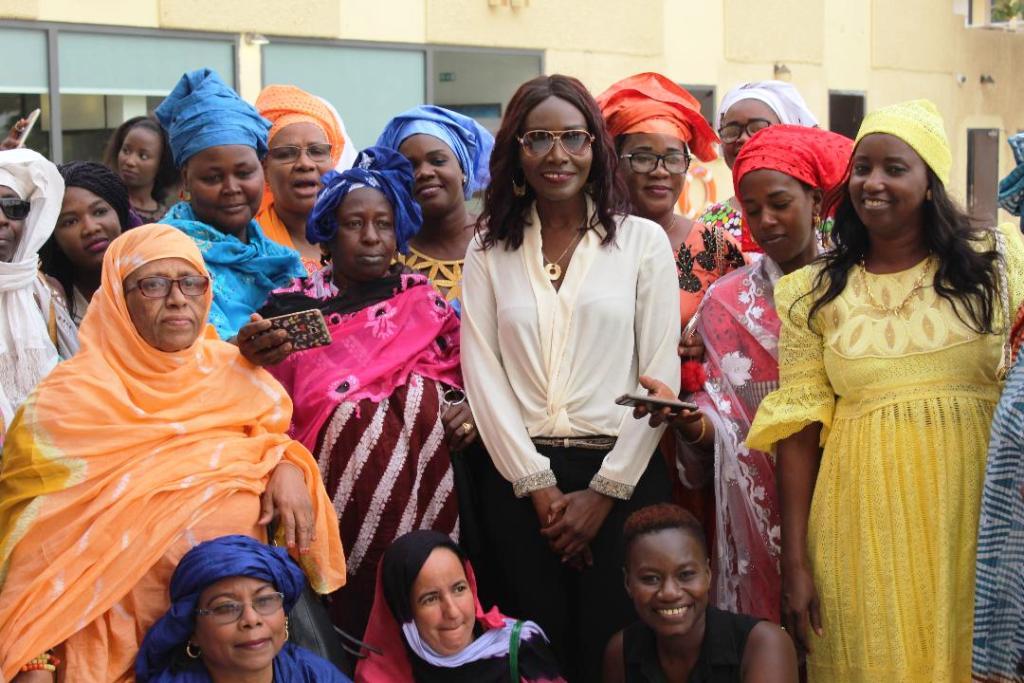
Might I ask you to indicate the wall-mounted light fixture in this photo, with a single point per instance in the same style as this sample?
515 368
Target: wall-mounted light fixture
781 72
256 39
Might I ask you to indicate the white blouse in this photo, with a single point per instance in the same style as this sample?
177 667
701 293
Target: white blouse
544 363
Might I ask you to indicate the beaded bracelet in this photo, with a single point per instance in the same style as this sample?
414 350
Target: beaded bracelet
44 662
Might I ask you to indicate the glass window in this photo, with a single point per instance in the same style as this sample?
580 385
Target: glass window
480 84
25 84
367 86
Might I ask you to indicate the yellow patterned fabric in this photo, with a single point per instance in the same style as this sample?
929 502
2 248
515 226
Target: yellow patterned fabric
446 276
919 124
905 403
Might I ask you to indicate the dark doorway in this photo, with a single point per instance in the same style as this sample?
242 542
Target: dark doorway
982 173
705 94
845 112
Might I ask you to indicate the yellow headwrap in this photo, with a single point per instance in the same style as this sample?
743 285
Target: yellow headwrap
919 124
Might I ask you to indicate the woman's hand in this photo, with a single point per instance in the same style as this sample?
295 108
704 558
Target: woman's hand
38 676
577 517
800 605
12 141
287 500
260 345
459 426
691 346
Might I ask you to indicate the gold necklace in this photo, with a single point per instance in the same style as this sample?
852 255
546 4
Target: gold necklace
554 268
896 310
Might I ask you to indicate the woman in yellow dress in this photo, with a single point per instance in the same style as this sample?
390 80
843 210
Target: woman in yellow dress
891 354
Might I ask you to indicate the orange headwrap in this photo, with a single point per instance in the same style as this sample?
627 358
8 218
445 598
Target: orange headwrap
283 105
651 103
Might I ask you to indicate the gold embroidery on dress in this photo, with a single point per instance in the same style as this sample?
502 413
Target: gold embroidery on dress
445 275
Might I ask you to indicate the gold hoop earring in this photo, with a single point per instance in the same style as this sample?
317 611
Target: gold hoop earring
193 655
286 628
928 195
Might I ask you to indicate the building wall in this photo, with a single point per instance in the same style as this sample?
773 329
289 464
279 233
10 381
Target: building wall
889 50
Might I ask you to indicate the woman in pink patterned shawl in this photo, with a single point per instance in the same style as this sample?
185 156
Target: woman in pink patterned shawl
381 406
780 176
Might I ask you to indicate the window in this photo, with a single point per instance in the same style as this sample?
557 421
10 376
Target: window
480 84
705 94
982 173
845 113
25 84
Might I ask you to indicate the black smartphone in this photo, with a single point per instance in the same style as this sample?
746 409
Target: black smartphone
634 400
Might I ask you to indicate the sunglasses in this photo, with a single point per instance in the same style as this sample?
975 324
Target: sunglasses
289 154
14 208
537 143
732 132
675 163
158 287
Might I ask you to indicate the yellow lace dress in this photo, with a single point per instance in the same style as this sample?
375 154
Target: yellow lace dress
446 276
905 402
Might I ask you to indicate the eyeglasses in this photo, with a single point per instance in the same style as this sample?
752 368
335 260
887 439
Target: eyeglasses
289 154
537 143
675 163
731 133
14 208
158 287
230 612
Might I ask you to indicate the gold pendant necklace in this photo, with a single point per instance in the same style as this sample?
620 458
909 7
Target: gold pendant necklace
896 310
553 268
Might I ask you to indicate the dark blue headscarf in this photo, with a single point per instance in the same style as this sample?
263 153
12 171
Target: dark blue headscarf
202 566
382 169
202 111
471 142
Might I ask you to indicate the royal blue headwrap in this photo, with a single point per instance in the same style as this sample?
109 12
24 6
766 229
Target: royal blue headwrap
471 142
201 567
382 169
202 111
1011 188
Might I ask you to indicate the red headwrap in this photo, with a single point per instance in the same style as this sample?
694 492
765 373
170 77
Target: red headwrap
651 103
813 156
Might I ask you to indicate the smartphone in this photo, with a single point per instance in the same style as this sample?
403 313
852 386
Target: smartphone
634 400
29 125
306 329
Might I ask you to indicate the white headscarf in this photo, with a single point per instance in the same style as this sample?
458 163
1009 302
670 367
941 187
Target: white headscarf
26 352
781 97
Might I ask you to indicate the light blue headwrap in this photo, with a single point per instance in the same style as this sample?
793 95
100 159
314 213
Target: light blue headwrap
384 170
471 142
202 111
1011 188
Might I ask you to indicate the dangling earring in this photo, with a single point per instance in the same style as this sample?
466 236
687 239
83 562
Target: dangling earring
816 224
518 189
186 195
286 628
325 256
928 195
188 650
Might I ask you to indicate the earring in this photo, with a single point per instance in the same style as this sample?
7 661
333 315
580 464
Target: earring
186 195
325 256
517 189
286 628
816 224
928 195
188 650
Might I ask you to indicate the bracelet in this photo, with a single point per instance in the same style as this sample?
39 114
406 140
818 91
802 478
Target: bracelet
44 662
703 431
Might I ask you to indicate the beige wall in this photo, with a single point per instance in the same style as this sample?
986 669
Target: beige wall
890 50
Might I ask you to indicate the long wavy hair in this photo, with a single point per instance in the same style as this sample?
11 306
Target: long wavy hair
504 215
166 173
967 275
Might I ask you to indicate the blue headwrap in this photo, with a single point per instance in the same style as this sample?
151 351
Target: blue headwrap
201 567
382 169
202 111
1011 188
471 142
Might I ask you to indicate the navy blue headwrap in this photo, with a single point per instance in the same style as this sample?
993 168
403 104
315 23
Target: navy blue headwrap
471 142
201 567
202 111
382 169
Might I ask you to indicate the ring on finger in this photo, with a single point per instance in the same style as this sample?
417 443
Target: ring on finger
468 427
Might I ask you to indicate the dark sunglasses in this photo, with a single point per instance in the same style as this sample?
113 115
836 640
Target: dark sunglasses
537 143
14 208
158 287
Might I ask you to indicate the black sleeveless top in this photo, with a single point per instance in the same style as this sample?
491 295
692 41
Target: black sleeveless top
721 653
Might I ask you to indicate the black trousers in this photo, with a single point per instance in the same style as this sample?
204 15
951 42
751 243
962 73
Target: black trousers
579 610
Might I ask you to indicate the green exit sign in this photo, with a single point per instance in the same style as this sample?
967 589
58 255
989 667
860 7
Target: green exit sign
447 76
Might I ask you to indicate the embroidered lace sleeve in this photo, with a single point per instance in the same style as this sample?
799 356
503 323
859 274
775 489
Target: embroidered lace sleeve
804 395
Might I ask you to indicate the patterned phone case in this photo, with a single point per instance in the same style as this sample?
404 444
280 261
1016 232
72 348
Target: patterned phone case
306 329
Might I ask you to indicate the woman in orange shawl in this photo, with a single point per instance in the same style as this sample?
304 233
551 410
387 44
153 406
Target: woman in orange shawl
155 437
306 141
656 125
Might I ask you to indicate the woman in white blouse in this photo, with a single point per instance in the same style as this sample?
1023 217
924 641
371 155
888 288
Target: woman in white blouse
566 303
